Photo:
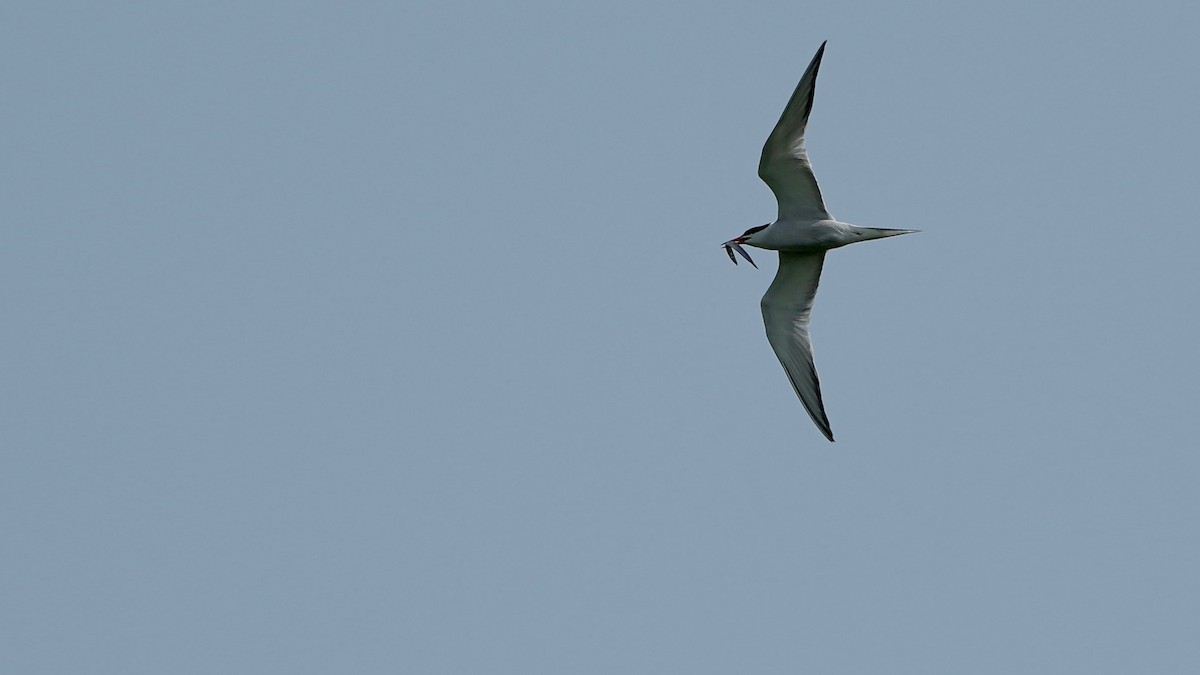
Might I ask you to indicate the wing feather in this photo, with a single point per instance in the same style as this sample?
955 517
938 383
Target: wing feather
786 307
784 165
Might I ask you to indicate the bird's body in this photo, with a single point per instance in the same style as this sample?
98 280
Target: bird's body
802 233
820 235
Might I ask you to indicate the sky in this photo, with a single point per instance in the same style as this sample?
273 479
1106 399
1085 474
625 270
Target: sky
396 337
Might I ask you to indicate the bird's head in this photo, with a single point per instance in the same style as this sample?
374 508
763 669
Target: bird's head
735 244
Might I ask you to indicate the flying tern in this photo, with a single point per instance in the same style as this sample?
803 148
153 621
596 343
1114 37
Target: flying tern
802 232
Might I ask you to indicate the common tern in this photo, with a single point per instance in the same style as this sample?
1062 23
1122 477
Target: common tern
802 232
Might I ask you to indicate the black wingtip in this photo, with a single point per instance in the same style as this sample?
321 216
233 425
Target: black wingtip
816 61
826 431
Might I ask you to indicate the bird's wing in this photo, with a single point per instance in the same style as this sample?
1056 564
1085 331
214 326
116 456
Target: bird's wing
786 307
784 166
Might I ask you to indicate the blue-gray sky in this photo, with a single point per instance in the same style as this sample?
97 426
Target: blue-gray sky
396 338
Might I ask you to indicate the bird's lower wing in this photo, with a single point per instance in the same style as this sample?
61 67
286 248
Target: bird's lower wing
786 307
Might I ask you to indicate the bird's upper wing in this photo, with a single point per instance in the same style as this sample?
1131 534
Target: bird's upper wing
785 308
784 166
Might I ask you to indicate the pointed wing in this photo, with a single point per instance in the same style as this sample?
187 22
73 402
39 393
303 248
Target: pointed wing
786 307
784 165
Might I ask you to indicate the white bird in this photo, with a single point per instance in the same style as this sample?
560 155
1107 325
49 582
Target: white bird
802 233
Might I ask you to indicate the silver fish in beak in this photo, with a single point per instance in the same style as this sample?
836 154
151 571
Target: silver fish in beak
734 245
